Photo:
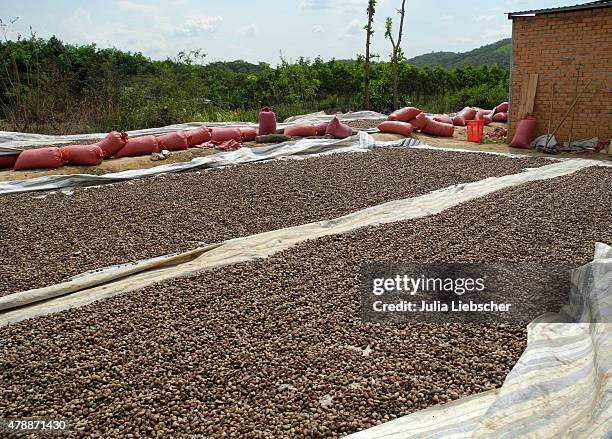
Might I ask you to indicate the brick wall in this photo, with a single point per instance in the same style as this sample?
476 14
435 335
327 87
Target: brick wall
554 45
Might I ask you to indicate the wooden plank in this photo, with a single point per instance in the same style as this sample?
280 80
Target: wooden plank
523 98
531 92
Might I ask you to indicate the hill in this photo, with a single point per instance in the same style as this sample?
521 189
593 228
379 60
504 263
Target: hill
497 53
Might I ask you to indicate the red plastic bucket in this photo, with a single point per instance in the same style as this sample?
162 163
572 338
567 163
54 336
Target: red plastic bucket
474 130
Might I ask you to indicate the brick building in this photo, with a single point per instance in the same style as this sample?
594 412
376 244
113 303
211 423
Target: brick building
558 44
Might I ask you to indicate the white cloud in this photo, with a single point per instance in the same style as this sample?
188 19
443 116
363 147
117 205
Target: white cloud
342 5
447 18
129 6
318 29
199 25
485 17
497 33
355 27
248 30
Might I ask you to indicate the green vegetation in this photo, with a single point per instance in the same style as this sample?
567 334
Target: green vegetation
499 53
47 86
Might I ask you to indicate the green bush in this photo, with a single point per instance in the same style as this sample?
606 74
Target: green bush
47 86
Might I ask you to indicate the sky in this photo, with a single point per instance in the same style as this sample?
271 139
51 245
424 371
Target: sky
262 30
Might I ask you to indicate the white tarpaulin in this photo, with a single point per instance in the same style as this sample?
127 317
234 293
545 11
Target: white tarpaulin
560 387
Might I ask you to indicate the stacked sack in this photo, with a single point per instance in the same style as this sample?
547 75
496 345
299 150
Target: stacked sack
409 119
500 113
497 114
404 121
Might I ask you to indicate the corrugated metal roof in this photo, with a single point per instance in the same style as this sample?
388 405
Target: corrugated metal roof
590 5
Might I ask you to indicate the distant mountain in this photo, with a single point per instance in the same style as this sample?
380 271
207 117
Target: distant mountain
498 53
237 66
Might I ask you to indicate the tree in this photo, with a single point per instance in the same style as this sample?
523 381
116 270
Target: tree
395 55
369 32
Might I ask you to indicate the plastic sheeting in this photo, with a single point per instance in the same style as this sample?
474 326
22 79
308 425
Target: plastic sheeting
11 142
560 387
314 118
264 244
362 142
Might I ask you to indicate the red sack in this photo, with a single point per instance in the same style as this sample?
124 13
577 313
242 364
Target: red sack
8 161
174 141
468 113
248 133
481 114
436 128
112 143
525 132
404 114
444 118
419 122
41 158
223 134
500 117
396 127
484 115
197 136
300 131
267 121
83 155
338 129
502 108
136 146
321 128
458 121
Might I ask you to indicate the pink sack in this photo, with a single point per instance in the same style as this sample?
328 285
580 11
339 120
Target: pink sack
396 127
41 158
419 122
136 146
458 121
338 129
436 128
525 132
404 114
502 108
480 114
83 155
8 161
500 117
300 131
444 118
174 141
468 113
484 115
112 143
267 122
219 134
197 136
248 133
321 128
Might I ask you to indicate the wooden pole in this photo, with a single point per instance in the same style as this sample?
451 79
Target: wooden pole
550 108
573 109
